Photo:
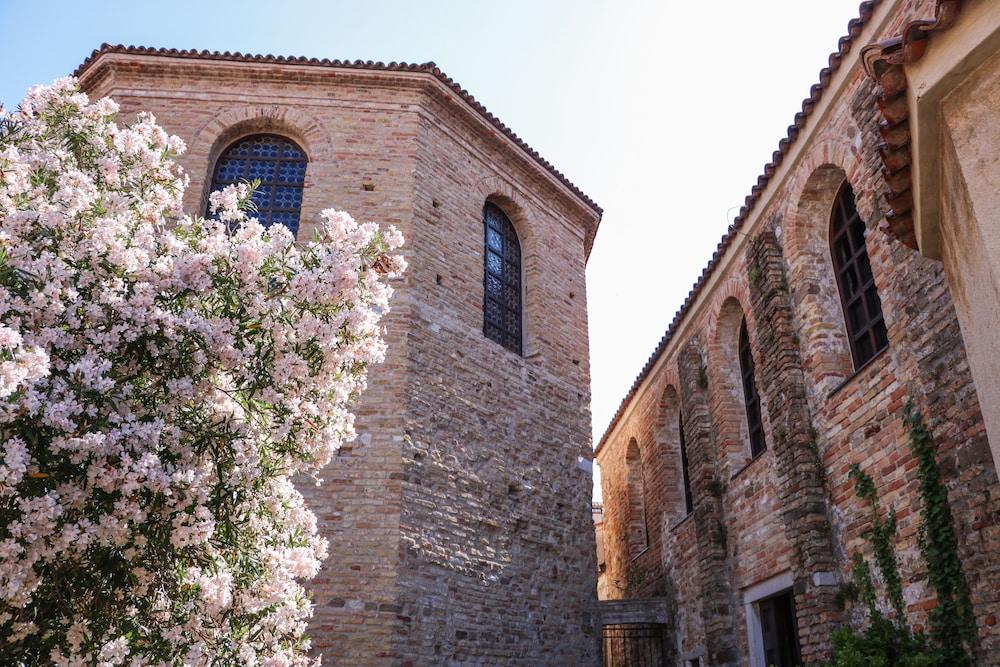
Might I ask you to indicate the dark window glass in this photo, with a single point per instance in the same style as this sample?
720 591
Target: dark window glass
751 398
501 280
281 167
685 473
862 306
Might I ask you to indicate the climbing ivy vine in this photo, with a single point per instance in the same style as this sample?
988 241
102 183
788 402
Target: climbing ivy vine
889 642
952 623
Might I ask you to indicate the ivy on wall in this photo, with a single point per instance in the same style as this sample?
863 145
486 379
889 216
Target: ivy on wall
952 622
888 642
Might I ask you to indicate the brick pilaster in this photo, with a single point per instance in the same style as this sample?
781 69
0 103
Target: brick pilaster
803 499
710 526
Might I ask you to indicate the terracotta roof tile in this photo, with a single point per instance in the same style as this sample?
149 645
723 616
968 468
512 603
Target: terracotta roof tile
884 63
816 91
427 68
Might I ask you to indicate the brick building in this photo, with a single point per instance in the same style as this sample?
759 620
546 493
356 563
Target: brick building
860 273
459 522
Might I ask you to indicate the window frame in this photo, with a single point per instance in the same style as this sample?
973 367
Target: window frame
511 281
216 183
869 336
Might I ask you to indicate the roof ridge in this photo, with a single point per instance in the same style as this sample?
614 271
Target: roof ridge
429 67
854 27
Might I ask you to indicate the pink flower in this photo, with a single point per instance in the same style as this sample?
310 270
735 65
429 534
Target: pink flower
184 371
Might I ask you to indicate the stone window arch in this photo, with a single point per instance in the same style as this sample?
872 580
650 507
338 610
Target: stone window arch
502 288
741 415
638 535
278 163
859 297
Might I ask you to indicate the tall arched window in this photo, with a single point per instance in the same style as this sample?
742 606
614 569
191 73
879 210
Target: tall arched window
281 167
751 399
637 534
501 279
685 472
862 306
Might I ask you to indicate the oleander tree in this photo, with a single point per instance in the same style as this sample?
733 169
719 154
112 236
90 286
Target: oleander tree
162 379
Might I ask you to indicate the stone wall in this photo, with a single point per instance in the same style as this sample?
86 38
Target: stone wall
459 521
791 512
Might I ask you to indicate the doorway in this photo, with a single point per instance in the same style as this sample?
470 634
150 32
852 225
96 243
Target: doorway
778 630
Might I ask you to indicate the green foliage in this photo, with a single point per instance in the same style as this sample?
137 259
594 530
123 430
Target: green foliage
952 623
716 487
890 642
882 644
702 378
880 536
847 592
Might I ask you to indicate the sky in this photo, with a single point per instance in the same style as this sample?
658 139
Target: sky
664 112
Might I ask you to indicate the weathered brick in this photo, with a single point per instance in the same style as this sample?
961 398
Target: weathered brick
459 521
792 511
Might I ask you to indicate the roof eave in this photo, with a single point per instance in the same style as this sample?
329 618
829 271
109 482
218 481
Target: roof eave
556 177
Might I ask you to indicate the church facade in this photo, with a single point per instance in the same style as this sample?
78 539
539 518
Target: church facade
459 521
858 278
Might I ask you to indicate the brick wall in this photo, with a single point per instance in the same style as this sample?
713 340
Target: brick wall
792 510
459 521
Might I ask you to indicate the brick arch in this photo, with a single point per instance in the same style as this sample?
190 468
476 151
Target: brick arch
821 329
298 125
637 530
230 125
668 377
514 204
809 186
730 309
668 439
735 288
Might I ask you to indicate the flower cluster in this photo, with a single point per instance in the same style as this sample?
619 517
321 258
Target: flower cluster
162 379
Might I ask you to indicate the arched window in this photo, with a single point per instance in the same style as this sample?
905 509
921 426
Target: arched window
501 280
637 534
281 167
751 399
862 307
685 473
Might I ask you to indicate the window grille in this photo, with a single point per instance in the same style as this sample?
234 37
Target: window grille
281 167
501 280
858 295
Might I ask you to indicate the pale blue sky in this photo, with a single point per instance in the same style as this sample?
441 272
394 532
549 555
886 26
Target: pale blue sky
663 112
